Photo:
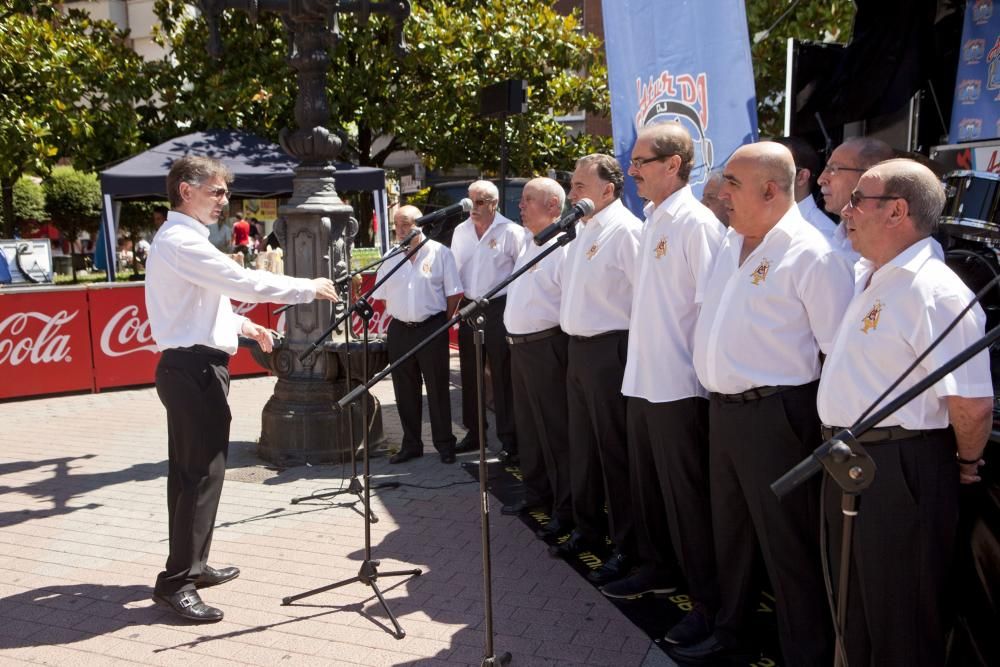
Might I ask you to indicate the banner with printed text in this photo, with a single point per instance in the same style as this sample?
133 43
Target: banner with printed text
975 113
680 60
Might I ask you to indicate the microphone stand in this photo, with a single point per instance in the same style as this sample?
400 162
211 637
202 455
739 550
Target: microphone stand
850 466
368 573
472 313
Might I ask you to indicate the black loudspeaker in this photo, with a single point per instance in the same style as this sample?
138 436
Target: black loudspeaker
507 98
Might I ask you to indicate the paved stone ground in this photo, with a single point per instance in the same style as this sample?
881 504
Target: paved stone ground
83 534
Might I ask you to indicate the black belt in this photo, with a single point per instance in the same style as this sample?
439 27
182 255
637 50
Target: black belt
494 300
600 335
754 394
198 351
414 325
883 434
514 339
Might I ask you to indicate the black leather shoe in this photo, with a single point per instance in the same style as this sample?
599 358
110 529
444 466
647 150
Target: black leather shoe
508 458
643 581
576 543
704 652
188 604
212 577
468 443
519 508
402 456
448 457
553 529
614 568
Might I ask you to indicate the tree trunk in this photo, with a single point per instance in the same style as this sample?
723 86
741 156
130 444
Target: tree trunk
7 187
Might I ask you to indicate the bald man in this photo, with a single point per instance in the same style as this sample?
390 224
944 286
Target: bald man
420 296
838 179
904 298
773 304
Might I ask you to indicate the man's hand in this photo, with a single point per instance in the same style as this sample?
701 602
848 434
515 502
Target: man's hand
325 289
260 334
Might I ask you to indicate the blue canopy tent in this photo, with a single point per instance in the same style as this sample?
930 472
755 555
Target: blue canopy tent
261 170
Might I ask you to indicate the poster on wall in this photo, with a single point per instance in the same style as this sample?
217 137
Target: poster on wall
975 114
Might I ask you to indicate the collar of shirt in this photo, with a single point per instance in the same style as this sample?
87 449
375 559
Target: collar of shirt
606 214
178 218
669 206
911 259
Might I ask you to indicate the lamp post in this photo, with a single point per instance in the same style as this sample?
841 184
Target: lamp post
299 421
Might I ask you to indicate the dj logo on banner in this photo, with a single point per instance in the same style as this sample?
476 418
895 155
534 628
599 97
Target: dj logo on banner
975 113
680 62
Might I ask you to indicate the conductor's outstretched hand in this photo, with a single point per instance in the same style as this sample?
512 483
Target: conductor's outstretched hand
325 289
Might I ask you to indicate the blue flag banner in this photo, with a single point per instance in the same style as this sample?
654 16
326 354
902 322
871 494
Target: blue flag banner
680 60
975 113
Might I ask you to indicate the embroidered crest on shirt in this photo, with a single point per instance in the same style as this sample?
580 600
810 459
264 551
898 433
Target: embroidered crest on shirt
493 244
592 251
661 248
426 268
870 320
759 274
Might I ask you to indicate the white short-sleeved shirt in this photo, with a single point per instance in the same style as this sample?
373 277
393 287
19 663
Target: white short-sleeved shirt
421 286
484 262
598 273
817 218
765 322
676 251
907 305
189 282
533 298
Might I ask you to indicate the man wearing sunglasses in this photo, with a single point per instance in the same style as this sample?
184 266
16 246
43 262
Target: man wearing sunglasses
840 176
904 298
188 285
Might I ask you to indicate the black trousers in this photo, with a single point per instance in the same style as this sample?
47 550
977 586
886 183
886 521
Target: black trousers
193 387
538 377
668 464
752 444
430 366
597 434
903 548
495 350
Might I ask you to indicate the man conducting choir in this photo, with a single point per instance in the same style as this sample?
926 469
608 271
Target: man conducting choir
904 298
420 296
188 282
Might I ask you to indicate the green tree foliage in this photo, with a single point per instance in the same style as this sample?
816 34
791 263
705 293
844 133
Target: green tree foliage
73 202
828 21
29 200
69 87
426 101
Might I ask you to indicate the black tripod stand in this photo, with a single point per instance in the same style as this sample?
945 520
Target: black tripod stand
852 469
368 574
473 314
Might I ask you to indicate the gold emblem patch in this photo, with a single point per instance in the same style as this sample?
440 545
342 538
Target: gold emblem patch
426 268
759 274
870 320
493 244
661 248
592 251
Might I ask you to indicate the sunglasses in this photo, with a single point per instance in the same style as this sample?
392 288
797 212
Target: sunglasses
217 192
857 198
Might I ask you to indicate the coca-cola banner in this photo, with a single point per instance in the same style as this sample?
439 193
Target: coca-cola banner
124 351
45 345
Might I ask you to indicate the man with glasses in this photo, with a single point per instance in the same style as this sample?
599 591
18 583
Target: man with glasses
667 408
807 171
837 180
485 248
772 305
904 298
595 311
710 196
188 285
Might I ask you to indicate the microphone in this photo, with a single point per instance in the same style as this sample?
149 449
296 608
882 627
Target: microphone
583 208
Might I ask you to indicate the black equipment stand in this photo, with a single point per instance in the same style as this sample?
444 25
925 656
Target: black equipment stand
847 463
368 574
354 487
472 314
